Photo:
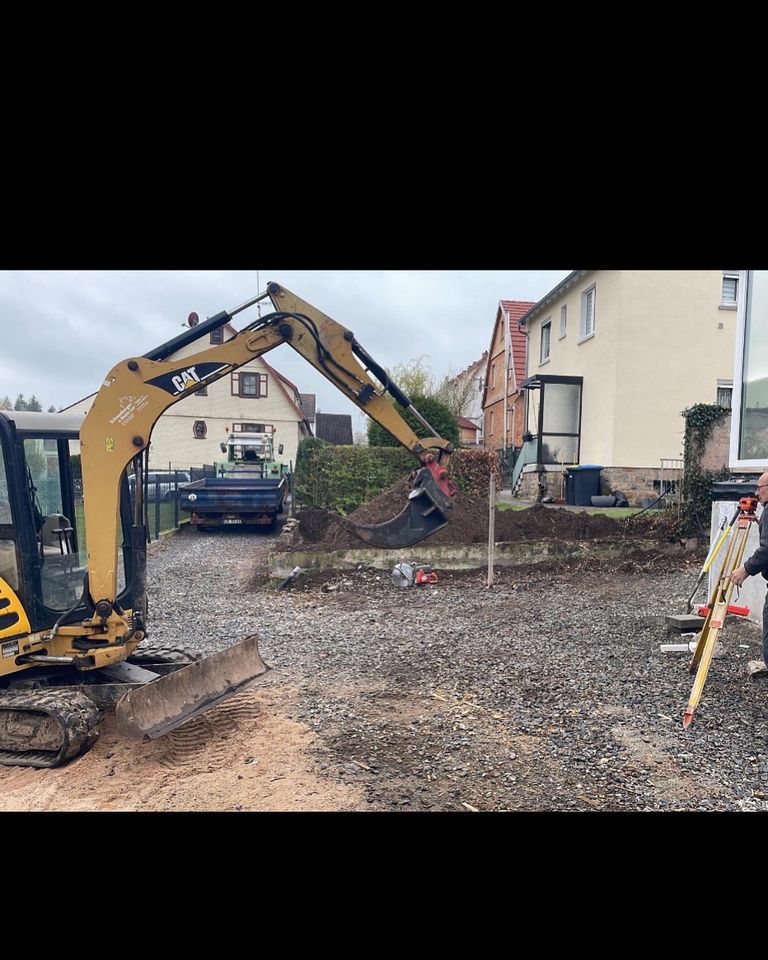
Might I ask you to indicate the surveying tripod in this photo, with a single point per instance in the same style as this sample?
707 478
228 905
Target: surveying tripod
718 602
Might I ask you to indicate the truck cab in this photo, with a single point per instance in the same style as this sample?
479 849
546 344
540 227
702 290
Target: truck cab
252 454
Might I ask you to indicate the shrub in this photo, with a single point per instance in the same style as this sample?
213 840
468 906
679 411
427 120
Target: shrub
340 478
471 470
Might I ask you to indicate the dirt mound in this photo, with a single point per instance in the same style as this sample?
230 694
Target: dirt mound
469 524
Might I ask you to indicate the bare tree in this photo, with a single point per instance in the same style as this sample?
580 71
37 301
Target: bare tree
414 377
455 392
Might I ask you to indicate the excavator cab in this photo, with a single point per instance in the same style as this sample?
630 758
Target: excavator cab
63 656
43 553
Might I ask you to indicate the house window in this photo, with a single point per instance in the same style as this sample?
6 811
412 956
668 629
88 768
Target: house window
249 384
587 313
493 375
200 430
546 337
252 428
217 335
724 393
202 392
490 423
730 293
563 320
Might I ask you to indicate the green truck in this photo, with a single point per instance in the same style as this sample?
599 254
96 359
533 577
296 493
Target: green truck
249 489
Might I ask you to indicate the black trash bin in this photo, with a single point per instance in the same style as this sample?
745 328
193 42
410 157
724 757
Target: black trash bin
586 484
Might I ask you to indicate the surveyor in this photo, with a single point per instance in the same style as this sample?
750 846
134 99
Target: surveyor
758 563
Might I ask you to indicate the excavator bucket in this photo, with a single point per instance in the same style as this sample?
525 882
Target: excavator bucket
164 704
428 510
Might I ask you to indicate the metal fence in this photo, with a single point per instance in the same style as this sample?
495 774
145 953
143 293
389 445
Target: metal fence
162 495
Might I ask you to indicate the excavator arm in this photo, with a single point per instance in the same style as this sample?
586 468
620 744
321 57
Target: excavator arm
137 391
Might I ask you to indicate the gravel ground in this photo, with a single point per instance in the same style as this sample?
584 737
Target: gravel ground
548 692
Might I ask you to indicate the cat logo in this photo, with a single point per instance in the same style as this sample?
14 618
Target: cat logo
178 383
183 379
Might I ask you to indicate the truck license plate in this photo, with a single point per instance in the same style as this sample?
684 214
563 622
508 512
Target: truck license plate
237 520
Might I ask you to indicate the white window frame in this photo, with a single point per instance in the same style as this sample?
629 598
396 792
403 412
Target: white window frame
563 320
546 326
729 304
738 373
725 385
583 333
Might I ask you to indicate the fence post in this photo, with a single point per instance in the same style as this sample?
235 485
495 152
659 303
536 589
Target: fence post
157 509
176 500
491 527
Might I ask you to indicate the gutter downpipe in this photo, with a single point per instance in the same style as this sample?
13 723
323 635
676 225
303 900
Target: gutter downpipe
507 352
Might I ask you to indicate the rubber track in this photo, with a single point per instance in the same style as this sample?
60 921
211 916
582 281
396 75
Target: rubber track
146 653
77 716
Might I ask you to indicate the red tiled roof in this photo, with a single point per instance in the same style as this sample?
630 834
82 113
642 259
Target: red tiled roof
466 424
514 310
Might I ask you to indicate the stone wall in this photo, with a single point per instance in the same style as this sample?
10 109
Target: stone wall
549 482
635 483
717 448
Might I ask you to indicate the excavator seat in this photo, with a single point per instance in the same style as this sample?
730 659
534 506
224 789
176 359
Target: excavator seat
55 536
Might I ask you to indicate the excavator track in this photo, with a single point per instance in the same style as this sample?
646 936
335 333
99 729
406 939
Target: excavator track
45 728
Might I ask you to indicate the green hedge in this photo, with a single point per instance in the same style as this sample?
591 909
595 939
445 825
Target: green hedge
340 478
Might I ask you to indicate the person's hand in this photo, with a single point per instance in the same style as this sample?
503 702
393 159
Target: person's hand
740 575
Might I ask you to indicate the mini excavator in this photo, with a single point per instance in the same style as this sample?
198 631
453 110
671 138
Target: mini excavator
73 584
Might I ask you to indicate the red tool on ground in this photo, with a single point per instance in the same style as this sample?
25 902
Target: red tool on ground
424 575
413 575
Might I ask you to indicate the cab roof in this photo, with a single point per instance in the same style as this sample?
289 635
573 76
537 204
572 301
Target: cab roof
41 424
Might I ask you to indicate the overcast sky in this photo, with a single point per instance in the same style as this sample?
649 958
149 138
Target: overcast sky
64 330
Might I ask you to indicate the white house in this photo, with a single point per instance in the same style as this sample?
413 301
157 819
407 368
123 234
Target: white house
254 397
615 356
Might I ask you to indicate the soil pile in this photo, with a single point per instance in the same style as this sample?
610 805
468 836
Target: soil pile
317 529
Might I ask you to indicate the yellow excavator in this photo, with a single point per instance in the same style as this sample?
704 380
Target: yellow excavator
73 599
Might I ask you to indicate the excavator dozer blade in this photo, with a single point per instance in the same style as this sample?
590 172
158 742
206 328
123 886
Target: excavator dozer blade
163 705
426 513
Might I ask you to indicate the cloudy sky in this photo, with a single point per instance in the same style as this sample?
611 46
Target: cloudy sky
64 330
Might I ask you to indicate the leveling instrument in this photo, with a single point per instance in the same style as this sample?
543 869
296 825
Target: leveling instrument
718 605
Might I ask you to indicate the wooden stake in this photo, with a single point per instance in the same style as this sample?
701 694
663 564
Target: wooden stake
491 528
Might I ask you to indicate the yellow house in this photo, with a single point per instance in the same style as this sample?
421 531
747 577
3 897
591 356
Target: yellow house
614 357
